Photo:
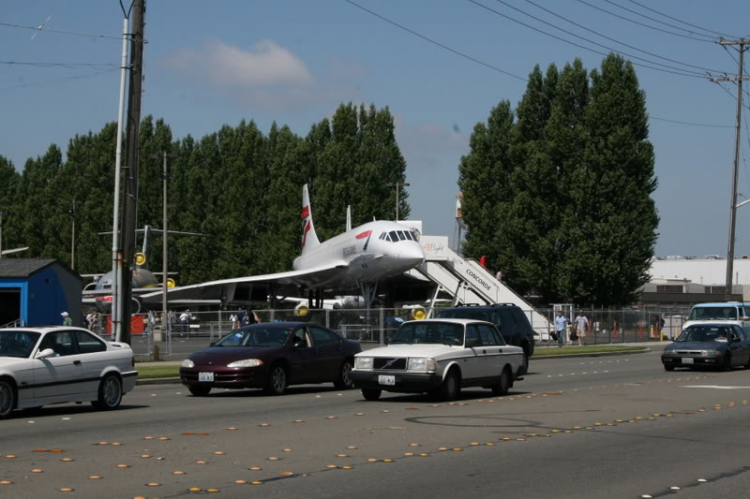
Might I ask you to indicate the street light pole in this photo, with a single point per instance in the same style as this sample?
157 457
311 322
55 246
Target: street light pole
398 185
164 266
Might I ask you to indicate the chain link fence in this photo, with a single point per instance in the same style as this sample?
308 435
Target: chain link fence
605 326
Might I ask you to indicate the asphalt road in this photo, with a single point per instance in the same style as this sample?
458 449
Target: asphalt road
612 427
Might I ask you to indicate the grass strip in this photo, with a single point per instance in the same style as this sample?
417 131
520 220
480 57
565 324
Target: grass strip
151 372
567 350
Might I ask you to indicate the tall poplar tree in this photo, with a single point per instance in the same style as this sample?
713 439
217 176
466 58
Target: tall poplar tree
569 215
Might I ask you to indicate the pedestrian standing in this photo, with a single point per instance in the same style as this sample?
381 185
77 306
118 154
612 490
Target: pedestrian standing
582 326
66 320
234 320
561 327
185 322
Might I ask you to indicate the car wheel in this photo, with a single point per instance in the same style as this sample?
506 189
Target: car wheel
726 363
344 382
277 380
450 387
7 398
503 384
199 391
110 393
371 393
668 368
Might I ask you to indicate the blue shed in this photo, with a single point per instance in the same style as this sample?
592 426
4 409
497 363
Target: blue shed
37 291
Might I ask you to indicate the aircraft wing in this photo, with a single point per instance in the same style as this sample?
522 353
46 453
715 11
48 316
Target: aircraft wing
250 288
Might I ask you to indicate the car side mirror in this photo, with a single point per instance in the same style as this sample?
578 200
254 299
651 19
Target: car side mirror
212 344
46 353
472 342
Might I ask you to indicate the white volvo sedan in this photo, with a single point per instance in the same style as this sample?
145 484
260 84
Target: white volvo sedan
439 356
52 365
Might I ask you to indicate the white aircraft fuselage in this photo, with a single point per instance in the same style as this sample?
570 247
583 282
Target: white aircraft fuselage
369 255
364 254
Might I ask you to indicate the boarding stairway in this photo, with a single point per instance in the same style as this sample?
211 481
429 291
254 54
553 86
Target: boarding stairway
468 282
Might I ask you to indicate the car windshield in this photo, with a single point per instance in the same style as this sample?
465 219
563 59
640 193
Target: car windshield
466 313
430 332
17 343
713 314
255 337
705 334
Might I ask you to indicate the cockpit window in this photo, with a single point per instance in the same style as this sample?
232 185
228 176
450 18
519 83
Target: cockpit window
394 236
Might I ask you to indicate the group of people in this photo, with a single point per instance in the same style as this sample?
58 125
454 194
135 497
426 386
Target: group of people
246 318
578 329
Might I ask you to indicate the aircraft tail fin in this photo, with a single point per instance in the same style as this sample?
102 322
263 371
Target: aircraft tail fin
309 237
348 218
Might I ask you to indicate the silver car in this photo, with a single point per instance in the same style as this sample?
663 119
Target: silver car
52 365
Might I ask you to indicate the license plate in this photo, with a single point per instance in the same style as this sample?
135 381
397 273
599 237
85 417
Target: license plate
687 360
387 380
205 376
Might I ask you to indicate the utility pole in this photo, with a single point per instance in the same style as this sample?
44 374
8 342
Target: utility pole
116 250
164 310
741 44
127 239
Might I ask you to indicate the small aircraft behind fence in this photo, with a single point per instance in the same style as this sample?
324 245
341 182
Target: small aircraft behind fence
144 281
355 260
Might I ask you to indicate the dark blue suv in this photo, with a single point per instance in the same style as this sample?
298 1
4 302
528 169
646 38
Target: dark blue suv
509 319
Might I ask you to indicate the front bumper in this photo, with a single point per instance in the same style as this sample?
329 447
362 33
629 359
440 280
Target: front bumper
696 361
250 377
405 382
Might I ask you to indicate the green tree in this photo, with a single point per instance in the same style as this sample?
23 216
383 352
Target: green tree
561 200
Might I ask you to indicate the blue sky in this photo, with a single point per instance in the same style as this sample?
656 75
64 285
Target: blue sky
293 62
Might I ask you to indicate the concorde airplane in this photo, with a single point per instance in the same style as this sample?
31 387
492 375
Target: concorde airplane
354 260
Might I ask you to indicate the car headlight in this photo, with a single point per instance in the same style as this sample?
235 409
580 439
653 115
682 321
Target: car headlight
363 362
423 364
246 363
188 363
710 353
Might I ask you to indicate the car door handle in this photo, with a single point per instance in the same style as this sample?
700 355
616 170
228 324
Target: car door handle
484 351
76 362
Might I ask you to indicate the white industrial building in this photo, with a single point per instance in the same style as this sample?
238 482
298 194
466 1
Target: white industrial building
685 279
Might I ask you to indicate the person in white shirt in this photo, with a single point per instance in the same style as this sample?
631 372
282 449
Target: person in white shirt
185 322
582 325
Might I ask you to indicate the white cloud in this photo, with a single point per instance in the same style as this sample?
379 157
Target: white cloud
266 76
222 65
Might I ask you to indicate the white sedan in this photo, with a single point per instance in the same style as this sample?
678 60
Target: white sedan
52 365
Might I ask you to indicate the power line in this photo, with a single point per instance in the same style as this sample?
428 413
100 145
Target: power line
77 77
69 65
656 20
75 33
679 72
642 24
689 123
445 47
679 20
617 41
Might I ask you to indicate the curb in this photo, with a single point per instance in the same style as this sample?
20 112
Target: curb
596 354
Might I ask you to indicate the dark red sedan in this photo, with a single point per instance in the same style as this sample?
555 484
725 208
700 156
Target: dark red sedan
271 356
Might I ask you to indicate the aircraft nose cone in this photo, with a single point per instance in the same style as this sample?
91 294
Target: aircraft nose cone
411 255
